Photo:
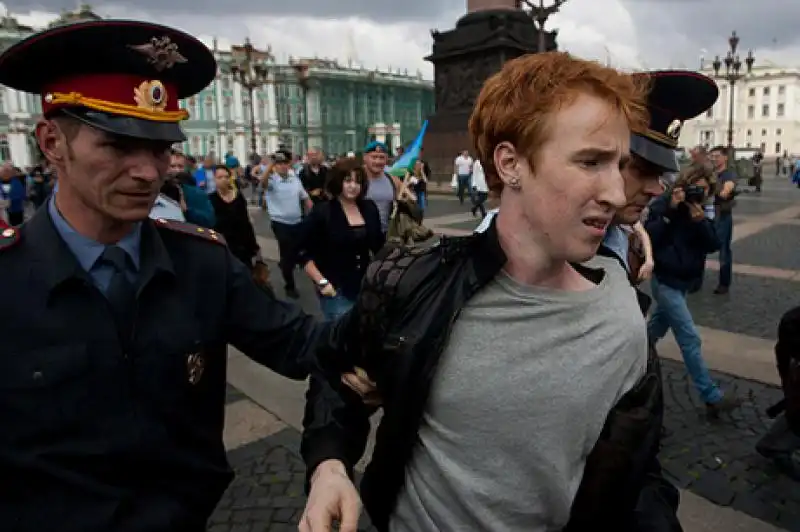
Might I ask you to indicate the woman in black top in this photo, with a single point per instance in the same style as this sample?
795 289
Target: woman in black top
339 238
233 222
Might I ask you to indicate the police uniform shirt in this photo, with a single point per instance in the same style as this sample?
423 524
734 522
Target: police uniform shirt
616 241
88 251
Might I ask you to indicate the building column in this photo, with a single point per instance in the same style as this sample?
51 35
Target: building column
241 148
19 147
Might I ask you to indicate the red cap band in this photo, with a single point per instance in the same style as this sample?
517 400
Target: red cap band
119 94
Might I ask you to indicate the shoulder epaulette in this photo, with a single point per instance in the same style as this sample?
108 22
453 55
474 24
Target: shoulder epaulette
9 237
191 229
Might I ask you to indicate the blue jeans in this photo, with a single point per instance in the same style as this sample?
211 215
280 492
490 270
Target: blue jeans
421 200
334 307
724 227
672 313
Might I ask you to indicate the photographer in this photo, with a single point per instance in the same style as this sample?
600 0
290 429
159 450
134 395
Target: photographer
681 228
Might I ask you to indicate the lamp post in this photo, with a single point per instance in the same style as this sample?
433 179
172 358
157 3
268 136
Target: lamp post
732 73
250 71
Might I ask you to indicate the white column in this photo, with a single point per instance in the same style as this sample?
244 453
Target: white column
272 144
19 148
242 148
238 108
380 132
272 108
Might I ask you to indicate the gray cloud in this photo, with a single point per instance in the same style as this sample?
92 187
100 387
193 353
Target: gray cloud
667 31
377 10
707 24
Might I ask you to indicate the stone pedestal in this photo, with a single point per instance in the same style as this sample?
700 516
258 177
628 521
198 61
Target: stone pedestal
463 58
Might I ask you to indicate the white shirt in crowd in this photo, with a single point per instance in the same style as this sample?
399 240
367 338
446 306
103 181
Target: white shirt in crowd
479 178
463 165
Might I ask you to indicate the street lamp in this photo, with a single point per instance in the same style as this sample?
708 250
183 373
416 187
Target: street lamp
732 73
250 71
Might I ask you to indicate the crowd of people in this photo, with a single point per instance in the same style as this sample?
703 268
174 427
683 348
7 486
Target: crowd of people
516 368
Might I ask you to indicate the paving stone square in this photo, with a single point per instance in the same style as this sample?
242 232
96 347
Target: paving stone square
267 493
717 460
775 247
753 307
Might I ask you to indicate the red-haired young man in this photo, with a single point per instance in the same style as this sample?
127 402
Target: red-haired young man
512 365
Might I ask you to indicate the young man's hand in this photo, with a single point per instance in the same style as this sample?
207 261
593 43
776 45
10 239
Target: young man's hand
333 497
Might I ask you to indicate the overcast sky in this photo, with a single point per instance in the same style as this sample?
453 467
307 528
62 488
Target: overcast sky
631 33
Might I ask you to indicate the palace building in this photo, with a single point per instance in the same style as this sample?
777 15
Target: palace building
305 103
766 112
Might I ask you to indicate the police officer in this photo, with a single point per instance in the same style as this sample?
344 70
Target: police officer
112 368
675 96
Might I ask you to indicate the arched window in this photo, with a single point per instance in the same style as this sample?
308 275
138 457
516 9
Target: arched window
195 144
229 143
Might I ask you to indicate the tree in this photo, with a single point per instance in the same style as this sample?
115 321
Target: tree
539 13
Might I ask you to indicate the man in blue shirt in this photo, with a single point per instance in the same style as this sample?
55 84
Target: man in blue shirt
285 198
725 202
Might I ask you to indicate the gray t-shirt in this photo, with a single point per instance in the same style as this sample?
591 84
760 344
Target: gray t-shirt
518 402
381 192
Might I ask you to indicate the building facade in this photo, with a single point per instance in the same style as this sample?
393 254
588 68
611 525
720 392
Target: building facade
766 112
348 107
306 103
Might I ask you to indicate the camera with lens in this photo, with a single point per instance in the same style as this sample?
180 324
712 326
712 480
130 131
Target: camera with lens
695 194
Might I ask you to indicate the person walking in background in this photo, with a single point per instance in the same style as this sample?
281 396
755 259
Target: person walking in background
418 183
480 191
383 188
284 194
725 202
314 174
340 237
462 167
232 219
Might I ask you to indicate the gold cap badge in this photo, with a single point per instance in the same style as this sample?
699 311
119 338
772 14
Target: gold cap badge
674 129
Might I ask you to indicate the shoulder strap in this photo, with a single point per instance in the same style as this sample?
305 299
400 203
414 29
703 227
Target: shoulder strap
191 229
9 237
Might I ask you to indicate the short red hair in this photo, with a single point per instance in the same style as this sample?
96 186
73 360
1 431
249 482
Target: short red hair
515 104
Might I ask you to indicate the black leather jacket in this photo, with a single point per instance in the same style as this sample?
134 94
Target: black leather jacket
402 321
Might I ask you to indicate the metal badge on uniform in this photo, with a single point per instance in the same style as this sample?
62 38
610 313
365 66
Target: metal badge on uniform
161 52
195 365
674 129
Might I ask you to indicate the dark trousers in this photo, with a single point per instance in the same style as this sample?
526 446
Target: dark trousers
463 187
287 235
478 199
724 226
16 218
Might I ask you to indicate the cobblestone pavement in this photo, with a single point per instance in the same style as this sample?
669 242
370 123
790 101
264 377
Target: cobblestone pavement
717 460
268 490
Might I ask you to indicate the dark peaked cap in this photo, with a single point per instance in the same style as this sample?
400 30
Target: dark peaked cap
675 96
124 77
